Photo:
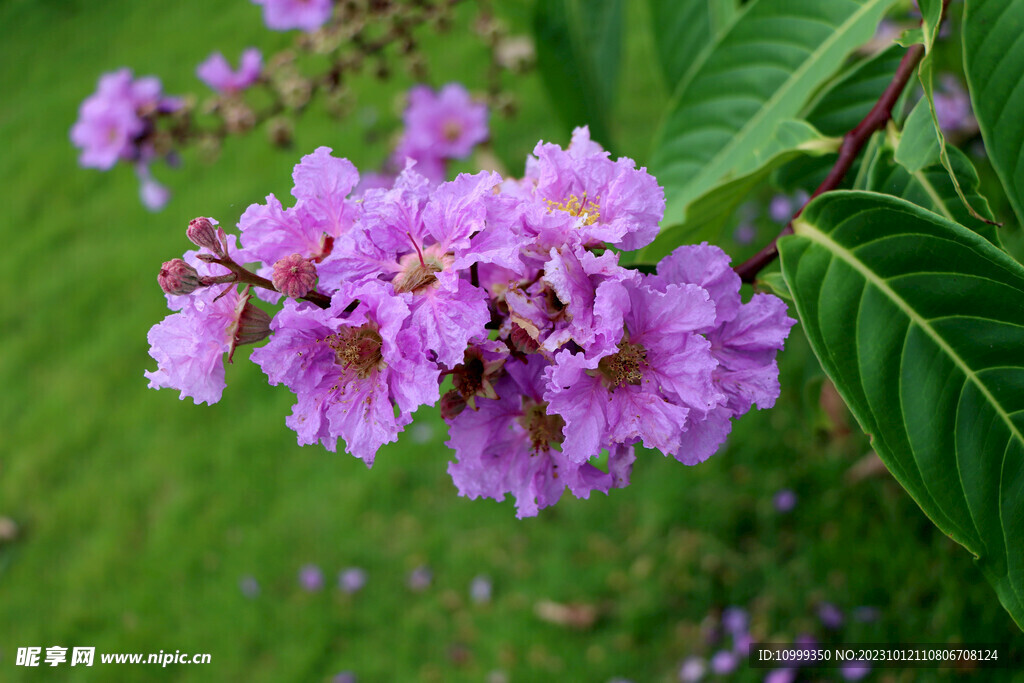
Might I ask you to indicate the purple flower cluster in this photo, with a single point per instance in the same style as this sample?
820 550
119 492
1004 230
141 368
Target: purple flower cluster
442 125
218 74
285 15
116 123
560 359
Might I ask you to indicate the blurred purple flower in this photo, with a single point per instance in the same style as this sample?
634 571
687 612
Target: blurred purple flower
831 616
784 500
854 670
805 641
866 613
480 589
420 579
443 124
953 106
283 15
724 662
218 74
344 677
780 208
351 580
745 233
154 196
692 670
311 578
741 644
780 676
249 586
735 620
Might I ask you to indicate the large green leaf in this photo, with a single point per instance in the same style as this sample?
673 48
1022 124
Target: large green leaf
994 62
931 188
841 105
709 213
762 71
837 108
918 144
684 29
579 44
919 322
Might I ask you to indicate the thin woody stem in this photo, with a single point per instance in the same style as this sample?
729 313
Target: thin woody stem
853 142
250 278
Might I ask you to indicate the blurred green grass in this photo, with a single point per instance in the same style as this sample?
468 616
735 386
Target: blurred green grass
139 514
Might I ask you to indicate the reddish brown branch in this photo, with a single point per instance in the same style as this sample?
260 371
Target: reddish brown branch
853 142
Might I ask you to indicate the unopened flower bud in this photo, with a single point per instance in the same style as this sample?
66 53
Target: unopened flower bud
294 276
251 325
177 277
202 234
452 404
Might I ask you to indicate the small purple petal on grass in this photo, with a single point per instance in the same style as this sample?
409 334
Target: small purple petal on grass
249 586
344 677
785 500
741 644
311 578
351 580
692 670
420 579
724 662
805 641
480 589
780 676
735 620
866 613
854 670
831 616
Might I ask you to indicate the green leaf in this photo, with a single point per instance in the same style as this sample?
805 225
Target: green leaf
682 30
842 105
836 110
994 62
775 283
931 16
918 145
762 71
919 322
709 213
579 44
931 188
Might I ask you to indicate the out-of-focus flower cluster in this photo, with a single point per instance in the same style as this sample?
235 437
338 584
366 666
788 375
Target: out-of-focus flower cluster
129 120
560 359
118 123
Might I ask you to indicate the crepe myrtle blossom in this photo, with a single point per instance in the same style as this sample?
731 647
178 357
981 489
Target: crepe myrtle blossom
116 123
443 124
744 337
218 74
656 384
509 444
598 200
306 15
424 241
560 359
114 119
350 369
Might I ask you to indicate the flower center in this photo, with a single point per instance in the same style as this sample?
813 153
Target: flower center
418 270
626 366
574 206
451 130
543 429
358 349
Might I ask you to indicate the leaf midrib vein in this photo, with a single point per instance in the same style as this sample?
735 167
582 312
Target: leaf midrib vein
811 232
